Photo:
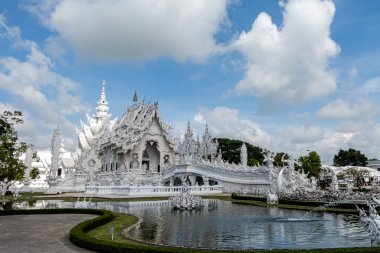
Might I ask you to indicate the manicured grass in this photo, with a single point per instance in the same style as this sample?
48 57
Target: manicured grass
120 222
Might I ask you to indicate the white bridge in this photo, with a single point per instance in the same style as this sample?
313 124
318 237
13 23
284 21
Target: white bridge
217 174
202 178
140 191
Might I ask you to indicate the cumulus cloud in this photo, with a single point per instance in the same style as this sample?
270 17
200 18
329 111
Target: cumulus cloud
135 29
366 139
290 63
340 109
371 86
41 94
305 134
298 140
226 122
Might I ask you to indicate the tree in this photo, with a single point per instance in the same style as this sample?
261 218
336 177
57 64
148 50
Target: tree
310 164
357 174
231 151
278 159
350 157
11 167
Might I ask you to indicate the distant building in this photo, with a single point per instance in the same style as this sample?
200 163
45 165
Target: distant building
374 164
66 167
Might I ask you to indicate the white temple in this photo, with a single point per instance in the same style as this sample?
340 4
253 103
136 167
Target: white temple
136 156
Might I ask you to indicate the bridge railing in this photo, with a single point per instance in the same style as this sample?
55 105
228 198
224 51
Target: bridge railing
151 190
213 172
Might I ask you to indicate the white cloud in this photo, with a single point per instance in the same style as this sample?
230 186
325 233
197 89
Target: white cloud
199 118
40 93
305 134
289 64
340 109
54 48
360 135
136 29
371 86
226 122
366 139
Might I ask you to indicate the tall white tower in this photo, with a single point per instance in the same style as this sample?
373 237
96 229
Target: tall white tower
102 108
243 155
56 142
28 163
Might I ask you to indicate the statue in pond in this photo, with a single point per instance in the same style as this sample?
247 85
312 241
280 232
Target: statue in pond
186 200
371 223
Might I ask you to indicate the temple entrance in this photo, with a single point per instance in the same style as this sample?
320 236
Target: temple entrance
151 157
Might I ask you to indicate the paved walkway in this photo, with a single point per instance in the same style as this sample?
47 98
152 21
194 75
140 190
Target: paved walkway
39 233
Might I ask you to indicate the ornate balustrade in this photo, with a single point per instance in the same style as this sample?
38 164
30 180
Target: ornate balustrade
151 190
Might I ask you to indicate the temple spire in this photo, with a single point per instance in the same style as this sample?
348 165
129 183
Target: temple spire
56 142
102 108
135 98
243 155
188 133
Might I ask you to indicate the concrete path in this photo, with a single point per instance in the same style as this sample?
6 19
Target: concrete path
39 233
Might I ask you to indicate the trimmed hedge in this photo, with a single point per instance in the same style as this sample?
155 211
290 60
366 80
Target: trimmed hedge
247 197
53 211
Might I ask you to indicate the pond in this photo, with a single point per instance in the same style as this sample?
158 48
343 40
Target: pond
223 224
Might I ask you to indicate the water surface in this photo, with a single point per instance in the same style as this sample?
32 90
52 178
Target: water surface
222 224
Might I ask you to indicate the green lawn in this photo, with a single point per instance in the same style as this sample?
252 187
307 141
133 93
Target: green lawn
120 222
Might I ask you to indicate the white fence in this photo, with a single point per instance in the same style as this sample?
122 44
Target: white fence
151 190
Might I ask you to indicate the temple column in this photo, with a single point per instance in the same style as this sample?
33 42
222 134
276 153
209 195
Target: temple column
161 163
140 155
205 181
192 180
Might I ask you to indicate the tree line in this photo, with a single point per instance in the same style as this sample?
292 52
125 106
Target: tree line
310 163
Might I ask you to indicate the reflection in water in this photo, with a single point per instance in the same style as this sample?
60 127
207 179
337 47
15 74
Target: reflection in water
222 224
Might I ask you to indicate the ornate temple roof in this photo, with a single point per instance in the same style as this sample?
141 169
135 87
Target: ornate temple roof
134 123
188 145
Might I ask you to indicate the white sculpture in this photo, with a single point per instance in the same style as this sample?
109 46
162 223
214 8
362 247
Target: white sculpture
272 198
56 142
84 203
188 146
185 201
372 223
28 164
243 155
4 185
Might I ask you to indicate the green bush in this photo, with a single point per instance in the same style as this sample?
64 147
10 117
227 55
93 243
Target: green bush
52 211
243 197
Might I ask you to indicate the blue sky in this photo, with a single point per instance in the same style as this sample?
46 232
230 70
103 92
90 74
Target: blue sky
289 76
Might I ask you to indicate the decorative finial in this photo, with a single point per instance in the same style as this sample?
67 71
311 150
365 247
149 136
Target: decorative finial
103 99
135 97
102 108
